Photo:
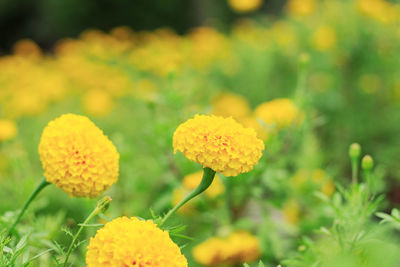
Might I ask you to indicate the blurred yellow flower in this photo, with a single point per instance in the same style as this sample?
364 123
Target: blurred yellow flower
77 157
279 113
218 143
230 105
301 7
8 129
130 242
97 103
243 6
238 247
380 10
324 38
253 122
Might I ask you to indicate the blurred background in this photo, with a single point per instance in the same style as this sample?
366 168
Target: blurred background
46 21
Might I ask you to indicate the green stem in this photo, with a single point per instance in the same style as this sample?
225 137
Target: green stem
354 171
37 190
102 205
208 177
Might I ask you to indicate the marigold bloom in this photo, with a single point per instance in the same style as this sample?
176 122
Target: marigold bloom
126 242
77 157
218 143
280 112
239 247
242 6
8 129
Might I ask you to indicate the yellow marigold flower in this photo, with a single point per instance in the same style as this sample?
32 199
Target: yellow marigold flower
97 102
218 143
126 242
239 247
231 105
279 112
243 6
324 38
77 157
8 129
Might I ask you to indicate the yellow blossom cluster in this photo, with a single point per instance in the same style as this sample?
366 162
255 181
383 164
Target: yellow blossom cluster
218 143
77 157
238 247
130 242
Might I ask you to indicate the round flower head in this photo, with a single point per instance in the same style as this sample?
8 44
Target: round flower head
77 157
279 112
8 129
218 143
126 242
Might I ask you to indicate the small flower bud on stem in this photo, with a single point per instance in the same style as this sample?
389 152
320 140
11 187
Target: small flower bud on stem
102 206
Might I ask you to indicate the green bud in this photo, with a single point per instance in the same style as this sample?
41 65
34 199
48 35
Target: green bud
354 151
367 163
103 204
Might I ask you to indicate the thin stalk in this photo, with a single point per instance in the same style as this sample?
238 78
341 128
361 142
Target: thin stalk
102 205
208 177
37 190
354 171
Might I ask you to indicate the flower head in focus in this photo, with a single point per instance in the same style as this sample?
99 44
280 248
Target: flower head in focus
238 247
243 6
218 143
130 242
8 129
77 157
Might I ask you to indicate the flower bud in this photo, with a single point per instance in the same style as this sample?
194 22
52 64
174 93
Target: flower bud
367 163
354 151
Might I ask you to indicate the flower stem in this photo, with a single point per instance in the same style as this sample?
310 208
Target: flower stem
37 190
102 205
208 177
354 171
